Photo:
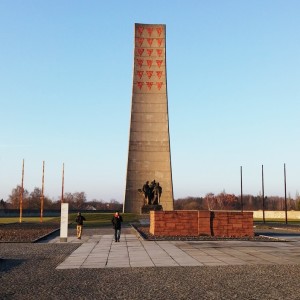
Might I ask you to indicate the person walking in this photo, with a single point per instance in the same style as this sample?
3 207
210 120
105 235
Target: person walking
116 221
79 220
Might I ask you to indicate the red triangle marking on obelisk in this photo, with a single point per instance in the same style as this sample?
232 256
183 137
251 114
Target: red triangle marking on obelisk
159 74
159 52
149 51
150 42
140 29
149 29
140 62
159 41
159 30
140 51
140 73
140 41
149 84
149 74
159 84
149 63
159 62
140 84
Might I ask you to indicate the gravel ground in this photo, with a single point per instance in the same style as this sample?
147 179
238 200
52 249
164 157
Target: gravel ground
25 232
28 272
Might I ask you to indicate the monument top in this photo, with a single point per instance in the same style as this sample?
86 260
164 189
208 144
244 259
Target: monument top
149 142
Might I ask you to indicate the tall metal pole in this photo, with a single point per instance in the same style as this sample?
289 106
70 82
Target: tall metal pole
285 201
63 183
242 204
21 193
263 192
42 196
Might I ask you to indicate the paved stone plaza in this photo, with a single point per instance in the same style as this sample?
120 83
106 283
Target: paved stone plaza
99 250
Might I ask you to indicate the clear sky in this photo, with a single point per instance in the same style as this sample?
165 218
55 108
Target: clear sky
233 90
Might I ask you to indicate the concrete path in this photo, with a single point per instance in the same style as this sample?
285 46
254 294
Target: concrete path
99 250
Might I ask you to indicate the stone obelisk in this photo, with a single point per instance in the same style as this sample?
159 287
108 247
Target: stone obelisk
149 156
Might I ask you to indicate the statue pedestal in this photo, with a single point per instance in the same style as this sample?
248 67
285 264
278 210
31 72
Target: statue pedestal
145 209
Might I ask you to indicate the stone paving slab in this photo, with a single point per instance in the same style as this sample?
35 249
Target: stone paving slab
101 251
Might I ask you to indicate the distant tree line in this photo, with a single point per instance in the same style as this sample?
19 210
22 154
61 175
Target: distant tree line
221 201
224 201
77 201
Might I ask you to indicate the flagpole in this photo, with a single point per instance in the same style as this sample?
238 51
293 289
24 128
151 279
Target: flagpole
63 183
21 193
242 204
263 192
285 201
42 196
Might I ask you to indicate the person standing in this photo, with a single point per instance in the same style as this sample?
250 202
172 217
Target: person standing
79 220
116 221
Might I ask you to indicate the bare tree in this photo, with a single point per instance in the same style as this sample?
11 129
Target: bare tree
79 200
14 197
211 201
76 200
35 199
3 204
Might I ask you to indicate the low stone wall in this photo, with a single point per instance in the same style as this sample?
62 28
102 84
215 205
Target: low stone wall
196 223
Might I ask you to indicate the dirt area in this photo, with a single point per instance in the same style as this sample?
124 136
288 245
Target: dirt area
25 232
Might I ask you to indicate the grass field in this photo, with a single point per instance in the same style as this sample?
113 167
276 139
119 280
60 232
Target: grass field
290 221
104 219
28 220
92 219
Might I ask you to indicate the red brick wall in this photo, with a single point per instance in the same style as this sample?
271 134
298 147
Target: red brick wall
194 223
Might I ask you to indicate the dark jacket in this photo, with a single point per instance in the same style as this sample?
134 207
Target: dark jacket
79 220
116 221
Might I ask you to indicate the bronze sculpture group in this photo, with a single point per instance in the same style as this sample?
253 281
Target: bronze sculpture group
152 193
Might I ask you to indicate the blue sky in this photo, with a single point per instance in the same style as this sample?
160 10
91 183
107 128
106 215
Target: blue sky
233 90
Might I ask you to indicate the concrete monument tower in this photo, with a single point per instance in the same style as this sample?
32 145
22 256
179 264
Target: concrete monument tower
149 156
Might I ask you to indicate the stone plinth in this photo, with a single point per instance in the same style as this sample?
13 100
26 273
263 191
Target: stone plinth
149 142
147 208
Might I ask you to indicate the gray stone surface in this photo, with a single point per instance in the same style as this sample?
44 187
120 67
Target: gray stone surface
99 250
223 270
29 272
